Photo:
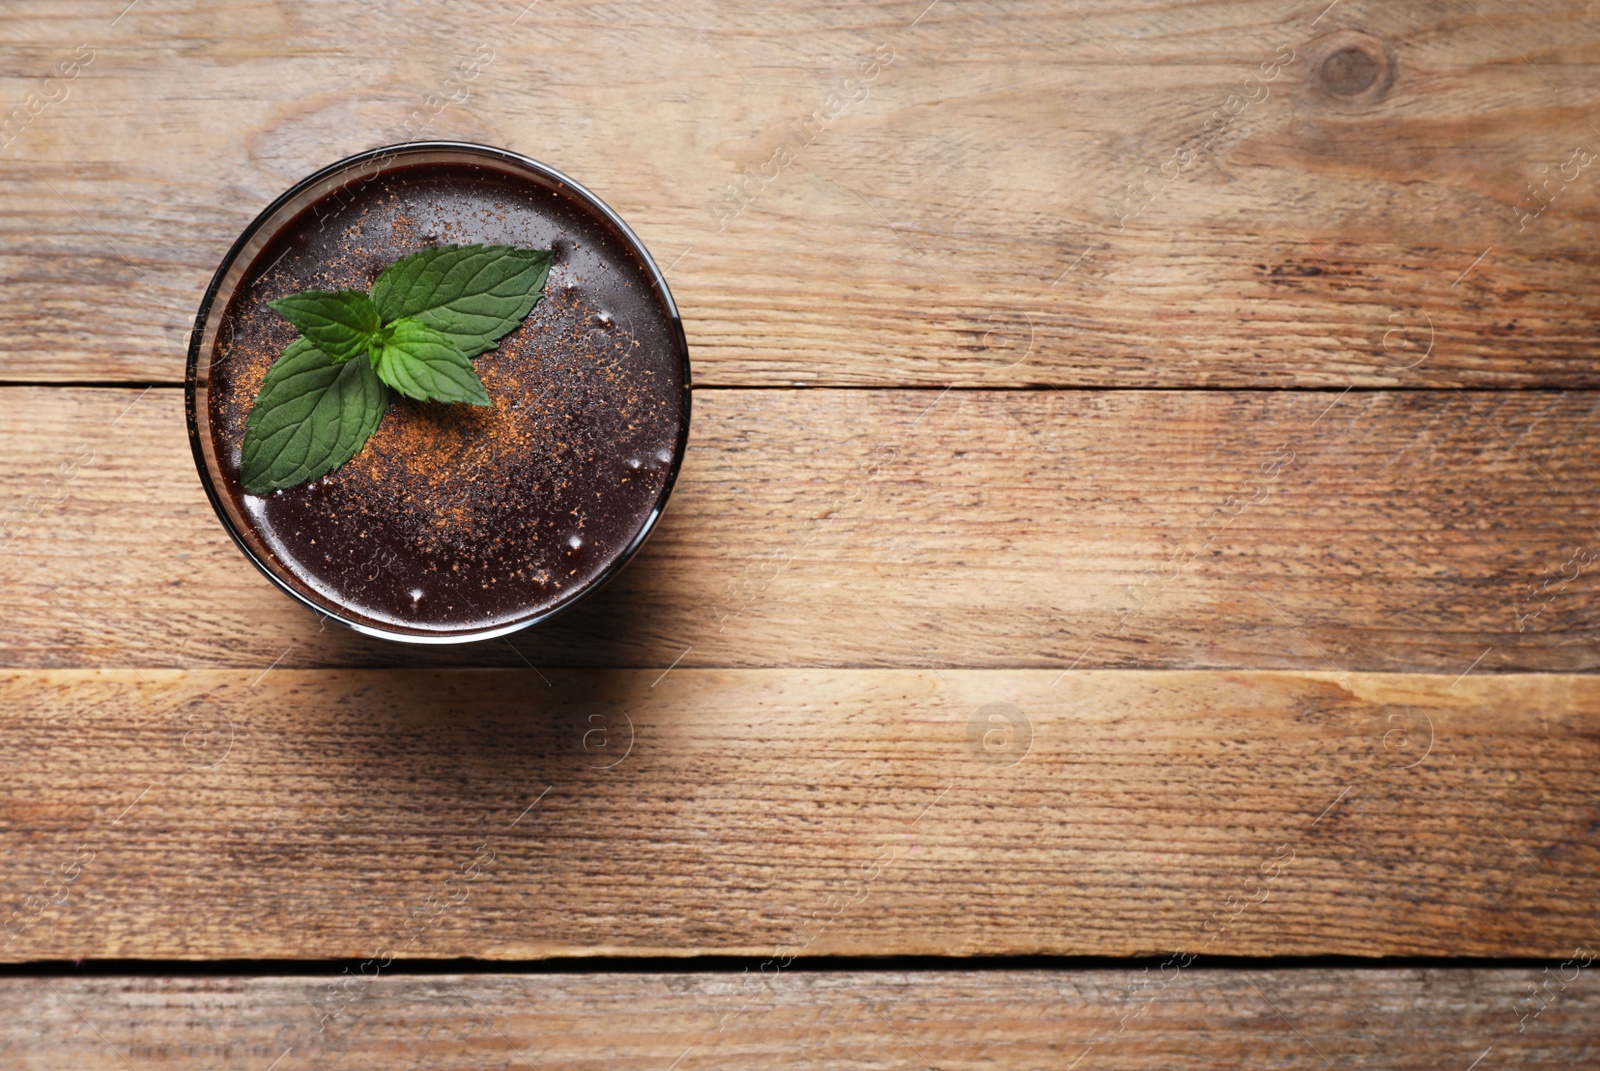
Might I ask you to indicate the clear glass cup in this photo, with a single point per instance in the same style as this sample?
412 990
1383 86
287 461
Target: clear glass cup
290 211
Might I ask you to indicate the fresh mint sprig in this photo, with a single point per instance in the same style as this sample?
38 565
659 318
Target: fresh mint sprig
428 315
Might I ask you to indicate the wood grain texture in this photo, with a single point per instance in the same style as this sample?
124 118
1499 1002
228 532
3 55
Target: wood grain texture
1388 531
774 813
1025 193
1110 1020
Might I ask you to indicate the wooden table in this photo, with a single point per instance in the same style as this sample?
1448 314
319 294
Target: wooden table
1130 600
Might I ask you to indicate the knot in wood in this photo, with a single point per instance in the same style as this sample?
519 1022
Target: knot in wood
1352 66
1348 71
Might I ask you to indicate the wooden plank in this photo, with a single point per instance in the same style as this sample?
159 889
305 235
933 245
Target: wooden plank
1026 192
1388 531
772 813
1109 1020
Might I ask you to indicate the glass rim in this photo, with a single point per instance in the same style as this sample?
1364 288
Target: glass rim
353 165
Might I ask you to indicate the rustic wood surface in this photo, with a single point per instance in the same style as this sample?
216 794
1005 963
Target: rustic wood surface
1114 1020
1268 630
919 182
1394 531
504 814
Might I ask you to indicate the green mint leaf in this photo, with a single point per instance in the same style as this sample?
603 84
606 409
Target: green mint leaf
473 294
422 363
313 414
340 325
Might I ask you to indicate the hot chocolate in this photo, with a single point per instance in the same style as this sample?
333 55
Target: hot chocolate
456 520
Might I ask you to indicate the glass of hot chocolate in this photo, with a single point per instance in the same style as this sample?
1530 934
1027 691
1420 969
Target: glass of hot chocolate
451 522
